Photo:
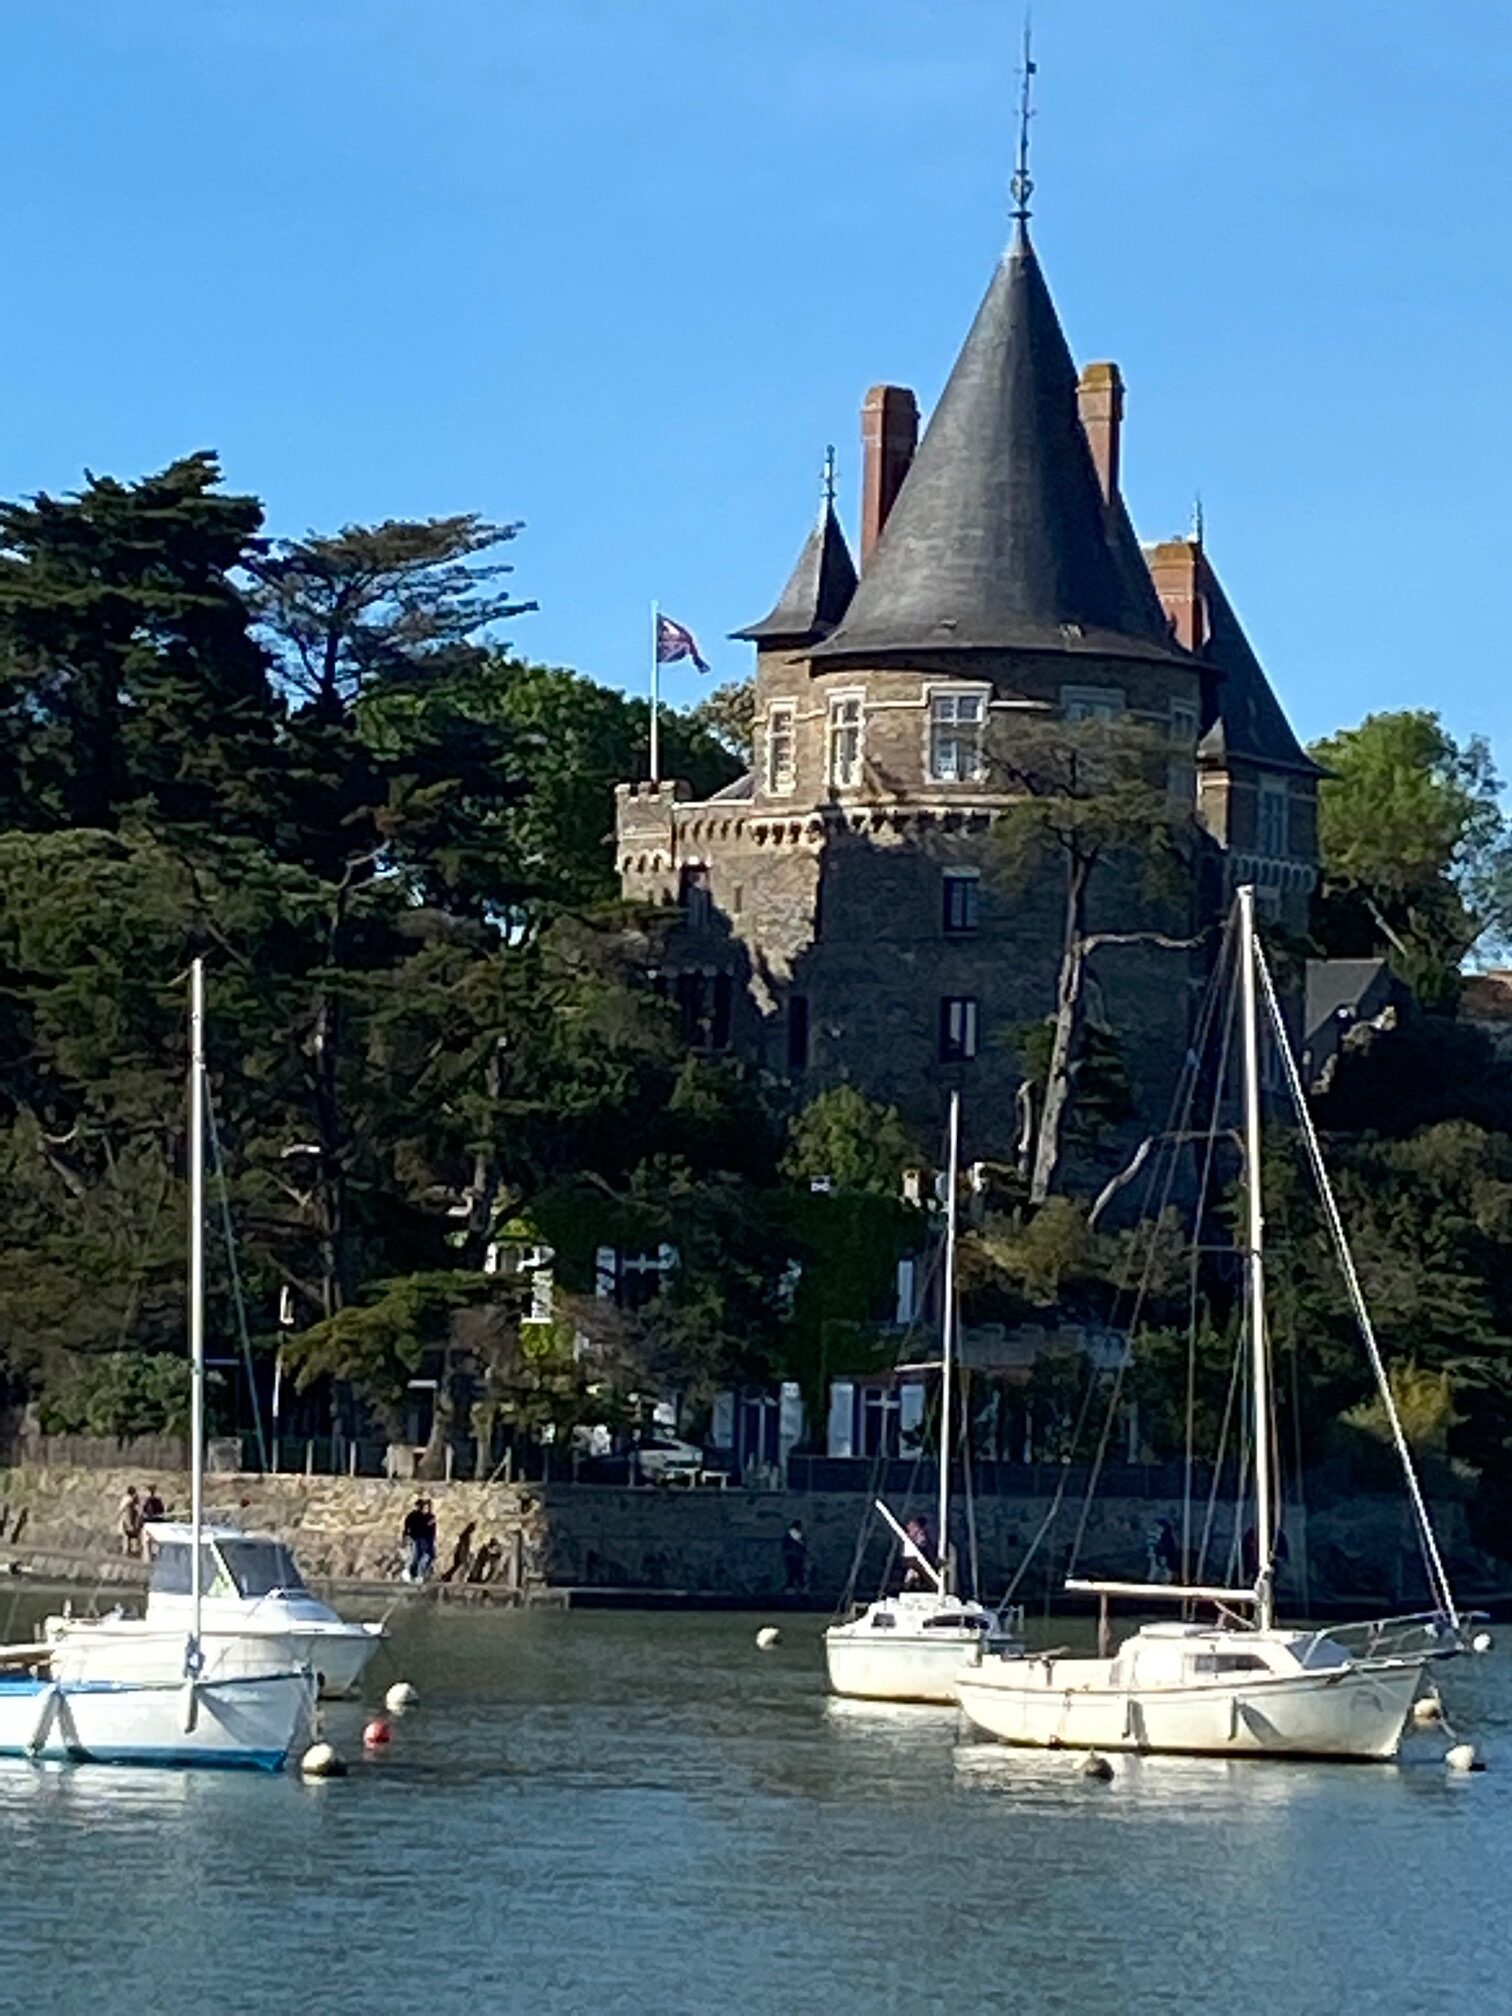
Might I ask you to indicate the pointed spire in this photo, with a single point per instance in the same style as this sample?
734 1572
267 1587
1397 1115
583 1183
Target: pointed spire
1000 536
1021 187
822 582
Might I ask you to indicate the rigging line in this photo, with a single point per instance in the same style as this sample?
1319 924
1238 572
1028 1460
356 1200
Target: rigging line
1438 1576
1215 1482
1302 1563
1199 1219
237 1299
1183 1101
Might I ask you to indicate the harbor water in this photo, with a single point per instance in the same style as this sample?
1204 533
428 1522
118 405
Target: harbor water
617 1812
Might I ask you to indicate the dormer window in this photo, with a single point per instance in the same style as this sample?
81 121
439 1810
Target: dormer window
781 753
955 737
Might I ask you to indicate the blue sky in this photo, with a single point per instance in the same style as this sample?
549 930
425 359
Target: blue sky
621 268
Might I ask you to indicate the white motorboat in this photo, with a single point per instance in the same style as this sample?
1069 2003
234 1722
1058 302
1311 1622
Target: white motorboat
1241 1686
910 1647
156 1694
251 1588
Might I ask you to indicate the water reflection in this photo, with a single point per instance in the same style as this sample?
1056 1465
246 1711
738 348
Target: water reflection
631 1813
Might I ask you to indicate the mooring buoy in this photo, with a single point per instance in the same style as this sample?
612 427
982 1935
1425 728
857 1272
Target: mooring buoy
321 1761
401 1697
767 1637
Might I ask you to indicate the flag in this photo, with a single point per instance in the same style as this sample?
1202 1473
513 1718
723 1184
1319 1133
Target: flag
674 641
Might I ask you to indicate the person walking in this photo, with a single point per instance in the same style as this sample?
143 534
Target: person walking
413 1535
152 1505
129 1523
427 1540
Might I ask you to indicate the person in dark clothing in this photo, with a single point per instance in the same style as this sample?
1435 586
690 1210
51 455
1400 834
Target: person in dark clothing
428 1541
414 1533
914 1576
1165 1554
795 1559
152 1504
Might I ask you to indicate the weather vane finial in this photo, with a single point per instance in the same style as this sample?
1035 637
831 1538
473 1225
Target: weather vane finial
829 476
1021 186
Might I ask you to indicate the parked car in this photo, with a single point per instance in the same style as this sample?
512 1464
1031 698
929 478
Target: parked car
664 1459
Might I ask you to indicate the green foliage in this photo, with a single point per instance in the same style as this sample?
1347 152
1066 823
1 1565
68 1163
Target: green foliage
729 715
1415 849
126 1393
852 1142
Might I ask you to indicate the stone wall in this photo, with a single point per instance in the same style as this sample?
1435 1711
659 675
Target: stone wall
719 1544
342 1528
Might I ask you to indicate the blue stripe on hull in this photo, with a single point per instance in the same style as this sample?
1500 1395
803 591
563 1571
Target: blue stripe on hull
167 1760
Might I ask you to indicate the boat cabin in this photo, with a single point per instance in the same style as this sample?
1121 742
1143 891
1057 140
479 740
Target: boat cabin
1197 1655
233 1564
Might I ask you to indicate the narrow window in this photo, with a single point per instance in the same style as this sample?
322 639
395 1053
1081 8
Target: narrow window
844 741
782 763
955 737
798 1032
697 899
1270 827
962 888
958 1029
1181 771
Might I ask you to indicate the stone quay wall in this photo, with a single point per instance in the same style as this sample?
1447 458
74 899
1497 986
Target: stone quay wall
724 1545
343 1529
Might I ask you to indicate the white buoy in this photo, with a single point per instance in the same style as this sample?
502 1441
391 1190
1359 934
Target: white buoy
767 1637
1427 1710
400 1697
1481 1642
321 1761
1464 1757
1095 1765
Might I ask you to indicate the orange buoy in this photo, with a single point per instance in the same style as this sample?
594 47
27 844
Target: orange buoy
377 1733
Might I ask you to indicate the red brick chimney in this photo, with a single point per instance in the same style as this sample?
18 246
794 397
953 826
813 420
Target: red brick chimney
1176 569
889 435
1099 398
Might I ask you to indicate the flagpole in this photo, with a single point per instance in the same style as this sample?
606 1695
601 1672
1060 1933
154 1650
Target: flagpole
655 691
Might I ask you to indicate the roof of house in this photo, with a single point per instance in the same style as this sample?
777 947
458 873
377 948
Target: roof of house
818 590
1344 989
1000 536
1250 723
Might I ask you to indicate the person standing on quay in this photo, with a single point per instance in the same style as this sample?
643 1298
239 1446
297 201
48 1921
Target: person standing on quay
413 1533
130 1522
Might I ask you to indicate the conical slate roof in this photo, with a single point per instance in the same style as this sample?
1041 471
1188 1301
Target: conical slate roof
818 590
1000 536
1250 722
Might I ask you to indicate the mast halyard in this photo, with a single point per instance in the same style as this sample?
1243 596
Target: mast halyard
1255 1270
192 1655
948 1342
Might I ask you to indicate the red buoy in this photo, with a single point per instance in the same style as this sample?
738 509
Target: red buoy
377 1733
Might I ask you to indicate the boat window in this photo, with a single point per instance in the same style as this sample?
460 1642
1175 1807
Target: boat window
1228 1662
884 1621
955 1621
170 1569
261 1567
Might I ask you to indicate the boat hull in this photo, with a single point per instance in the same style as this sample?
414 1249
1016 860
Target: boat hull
252 1723
1357 1712
898 1666
151 1648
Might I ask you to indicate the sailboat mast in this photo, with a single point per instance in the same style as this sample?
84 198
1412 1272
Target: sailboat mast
948 1338
1259 1352
196 1294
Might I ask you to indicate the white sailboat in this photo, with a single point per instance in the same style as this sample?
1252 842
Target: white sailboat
1239 1685
164 1694
910 1647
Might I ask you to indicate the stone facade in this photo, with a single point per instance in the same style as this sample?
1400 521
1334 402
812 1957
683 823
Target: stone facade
826 932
